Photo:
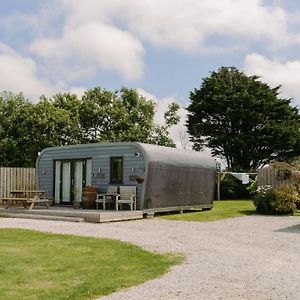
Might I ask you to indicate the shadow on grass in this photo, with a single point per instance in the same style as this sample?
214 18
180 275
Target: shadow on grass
248 212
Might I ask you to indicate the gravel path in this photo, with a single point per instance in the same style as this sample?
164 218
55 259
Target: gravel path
252 257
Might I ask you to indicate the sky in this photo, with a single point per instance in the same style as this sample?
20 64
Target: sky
163 48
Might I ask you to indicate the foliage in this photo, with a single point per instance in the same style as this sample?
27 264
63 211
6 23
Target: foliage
290 173
296 183
296 162
280 200
242 119
27 128
252 188
99 116
263 199
171 116
50 266
285 199
232 188
221 210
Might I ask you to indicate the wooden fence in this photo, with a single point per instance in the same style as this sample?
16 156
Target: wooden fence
270 176
16 179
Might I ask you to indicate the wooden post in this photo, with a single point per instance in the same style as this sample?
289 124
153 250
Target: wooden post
218 186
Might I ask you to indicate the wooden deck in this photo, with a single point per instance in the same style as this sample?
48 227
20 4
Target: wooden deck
71 214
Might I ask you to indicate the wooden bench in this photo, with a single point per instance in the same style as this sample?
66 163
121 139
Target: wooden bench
31 198
14 201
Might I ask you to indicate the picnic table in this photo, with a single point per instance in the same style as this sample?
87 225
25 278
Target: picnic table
26 197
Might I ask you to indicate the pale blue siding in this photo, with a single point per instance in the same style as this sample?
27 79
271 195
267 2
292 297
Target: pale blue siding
100 155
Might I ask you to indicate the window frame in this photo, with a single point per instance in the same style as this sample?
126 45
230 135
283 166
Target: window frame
112 178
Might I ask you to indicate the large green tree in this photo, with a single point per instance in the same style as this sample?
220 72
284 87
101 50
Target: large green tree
117 116
242 120
27 128
100 115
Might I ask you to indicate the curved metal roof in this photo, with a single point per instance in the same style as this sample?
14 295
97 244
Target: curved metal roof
178 157
154 153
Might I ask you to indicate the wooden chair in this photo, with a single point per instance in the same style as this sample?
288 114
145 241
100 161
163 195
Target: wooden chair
127 196
108 197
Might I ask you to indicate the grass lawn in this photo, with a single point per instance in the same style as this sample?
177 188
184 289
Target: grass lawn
297 213
221 210
35 265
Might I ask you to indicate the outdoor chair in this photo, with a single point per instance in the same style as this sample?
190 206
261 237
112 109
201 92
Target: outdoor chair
108 197
127 196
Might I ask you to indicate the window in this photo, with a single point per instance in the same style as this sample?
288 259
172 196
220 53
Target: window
116 169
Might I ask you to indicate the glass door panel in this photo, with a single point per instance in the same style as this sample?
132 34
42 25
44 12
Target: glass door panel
78 179
88 179
57 181
66 182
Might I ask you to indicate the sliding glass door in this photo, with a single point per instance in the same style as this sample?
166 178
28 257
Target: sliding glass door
69 179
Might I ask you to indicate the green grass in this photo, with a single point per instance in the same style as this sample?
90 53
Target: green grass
221 210
35 265
297 213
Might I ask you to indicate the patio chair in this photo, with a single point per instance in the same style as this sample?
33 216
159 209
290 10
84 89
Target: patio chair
127 196
108 197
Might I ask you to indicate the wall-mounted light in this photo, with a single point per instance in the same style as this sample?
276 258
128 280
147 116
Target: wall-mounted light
132 169
99 170
137 154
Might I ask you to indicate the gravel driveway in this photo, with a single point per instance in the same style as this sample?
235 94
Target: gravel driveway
252 257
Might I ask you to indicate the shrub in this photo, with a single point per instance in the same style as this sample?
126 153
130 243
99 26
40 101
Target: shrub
285 199
232 188
280 200
252 188
296 183
264 199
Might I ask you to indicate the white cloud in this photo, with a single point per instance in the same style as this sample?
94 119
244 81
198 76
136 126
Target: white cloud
77 40
161 108
19 74
82 50
77 90
187 24
275 72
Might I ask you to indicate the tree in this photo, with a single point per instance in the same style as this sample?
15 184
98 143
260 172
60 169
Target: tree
242 119
160 133
13 110
100 115
118 116
27 128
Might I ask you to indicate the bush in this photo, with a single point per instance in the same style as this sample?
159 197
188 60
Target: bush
264 199
232 188
280 200
252 188
296 183
285 199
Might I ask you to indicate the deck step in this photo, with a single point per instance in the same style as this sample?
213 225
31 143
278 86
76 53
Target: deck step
42 217
114 217
73 215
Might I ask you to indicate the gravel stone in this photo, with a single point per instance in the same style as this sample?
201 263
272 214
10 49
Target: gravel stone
253 257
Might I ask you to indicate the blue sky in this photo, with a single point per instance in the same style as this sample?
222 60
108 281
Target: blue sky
161 47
